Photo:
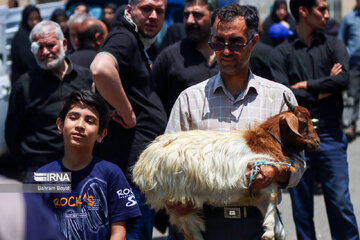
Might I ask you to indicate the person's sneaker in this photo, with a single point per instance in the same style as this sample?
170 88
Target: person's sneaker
349 133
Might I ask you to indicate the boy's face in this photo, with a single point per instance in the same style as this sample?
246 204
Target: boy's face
81 127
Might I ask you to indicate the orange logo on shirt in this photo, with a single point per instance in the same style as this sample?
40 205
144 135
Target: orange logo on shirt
74 201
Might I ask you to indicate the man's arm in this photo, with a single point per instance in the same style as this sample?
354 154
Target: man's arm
108 82
333 83
118 230
279 70
14 125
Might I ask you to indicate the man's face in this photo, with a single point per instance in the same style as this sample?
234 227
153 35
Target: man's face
319 15
233 32
148 15
73 35
51 51
197 21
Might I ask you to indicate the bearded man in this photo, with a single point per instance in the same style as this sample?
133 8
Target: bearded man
36 99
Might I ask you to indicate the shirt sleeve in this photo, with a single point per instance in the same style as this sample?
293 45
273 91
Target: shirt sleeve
180 119
337 83
121 47
122 202
279 71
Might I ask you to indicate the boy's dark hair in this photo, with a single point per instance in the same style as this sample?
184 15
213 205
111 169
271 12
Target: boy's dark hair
295 4
211 5
90 99
231 11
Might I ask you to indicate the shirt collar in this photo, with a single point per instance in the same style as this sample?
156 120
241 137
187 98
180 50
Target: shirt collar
251 86
319 37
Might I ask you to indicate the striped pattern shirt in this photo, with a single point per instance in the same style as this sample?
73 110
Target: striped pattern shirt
210 106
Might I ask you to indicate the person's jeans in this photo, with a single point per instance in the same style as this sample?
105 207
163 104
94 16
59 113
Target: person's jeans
140 228
330 165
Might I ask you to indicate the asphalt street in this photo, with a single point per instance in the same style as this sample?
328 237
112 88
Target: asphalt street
320 217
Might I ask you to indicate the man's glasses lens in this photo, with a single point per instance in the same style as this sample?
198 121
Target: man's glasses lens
233 47
220 46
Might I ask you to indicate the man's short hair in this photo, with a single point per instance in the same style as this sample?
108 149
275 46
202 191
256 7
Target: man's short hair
229 12
134 2
295 4
47 27
78 18
90 99
87 36
211 5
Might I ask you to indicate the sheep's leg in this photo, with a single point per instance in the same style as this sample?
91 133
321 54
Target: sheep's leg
269 219
190 225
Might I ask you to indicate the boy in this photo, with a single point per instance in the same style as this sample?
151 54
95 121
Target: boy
101 199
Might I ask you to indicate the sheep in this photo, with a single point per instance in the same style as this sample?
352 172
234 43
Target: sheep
208 167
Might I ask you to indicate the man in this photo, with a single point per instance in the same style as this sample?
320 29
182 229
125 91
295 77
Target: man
122 71
233 99
36 98
74 22
189 61
349 33
91 34
315 66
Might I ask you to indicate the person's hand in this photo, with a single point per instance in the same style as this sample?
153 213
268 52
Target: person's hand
181 209
300 85
127 123
324 95
336 69
266 175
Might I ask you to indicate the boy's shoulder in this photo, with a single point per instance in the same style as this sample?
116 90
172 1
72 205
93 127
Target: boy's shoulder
54 166
106 166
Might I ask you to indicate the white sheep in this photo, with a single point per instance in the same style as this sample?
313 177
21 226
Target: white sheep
208 167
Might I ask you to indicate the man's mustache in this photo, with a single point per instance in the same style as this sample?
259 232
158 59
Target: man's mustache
192 27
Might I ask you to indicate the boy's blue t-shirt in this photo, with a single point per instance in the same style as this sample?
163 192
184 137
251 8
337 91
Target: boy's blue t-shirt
100 196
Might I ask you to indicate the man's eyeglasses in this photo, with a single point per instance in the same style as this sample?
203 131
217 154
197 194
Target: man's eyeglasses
233 47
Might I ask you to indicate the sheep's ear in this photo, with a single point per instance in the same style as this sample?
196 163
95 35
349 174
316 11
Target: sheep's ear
289 125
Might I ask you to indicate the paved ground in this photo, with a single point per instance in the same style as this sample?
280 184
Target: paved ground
322 226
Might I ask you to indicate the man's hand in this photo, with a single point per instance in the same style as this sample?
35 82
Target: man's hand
300 85
266 175
127 123
336 69
181 209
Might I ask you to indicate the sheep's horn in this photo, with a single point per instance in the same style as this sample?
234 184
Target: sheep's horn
291 107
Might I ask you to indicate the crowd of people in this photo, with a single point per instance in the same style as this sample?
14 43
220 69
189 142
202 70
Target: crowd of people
88 95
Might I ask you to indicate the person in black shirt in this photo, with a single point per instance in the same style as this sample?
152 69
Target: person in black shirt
36 99
316 68
91 34
189 61
122 74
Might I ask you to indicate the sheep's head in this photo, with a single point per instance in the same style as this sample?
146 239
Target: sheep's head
297 132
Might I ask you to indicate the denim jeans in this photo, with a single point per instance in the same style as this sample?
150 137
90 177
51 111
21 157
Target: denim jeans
329 165
140 228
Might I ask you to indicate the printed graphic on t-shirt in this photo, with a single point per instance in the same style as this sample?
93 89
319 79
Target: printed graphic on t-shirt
129 195
86 213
